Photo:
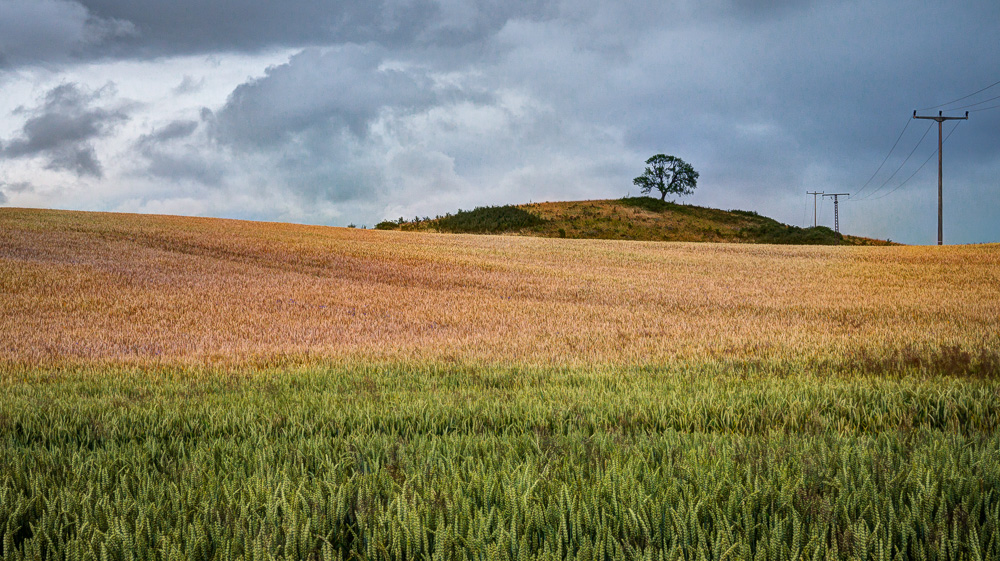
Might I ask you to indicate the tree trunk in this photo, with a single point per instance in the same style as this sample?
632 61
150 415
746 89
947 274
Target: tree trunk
663 196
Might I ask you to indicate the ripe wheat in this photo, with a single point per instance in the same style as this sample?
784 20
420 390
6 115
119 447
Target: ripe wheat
86 288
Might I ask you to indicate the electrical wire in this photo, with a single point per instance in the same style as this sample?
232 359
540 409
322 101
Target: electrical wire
961 98
908 119
984 108
886 182
921 165
975 104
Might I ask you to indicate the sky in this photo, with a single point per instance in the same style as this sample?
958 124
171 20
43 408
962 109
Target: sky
339 113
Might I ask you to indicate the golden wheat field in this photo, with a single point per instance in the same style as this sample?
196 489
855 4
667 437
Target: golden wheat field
80 287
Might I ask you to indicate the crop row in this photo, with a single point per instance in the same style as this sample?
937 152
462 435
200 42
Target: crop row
462 462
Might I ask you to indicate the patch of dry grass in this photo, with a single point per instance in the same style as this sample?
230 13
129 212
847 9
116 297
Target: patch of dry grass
93 287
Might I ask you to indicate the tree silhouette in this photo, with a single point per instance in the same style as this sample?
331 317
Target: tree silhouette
667 174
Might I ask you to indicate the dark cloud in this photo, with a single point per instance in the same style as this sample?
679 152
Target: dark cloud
422 106
40 31
62 129
188 165
53 31
758 10
324 92
169 154
172 131
17 187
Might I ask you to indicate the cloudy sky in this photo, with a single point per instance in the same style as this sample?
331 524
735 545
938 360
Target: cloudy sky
330 112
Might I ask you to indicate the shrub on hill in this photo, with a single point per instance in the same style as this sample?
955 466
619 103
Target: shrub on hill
777 233
387 225
489 220
647 203
656 205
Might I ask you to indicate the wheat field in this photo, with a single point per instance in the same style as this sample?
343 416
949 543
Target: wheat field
200 389
90 287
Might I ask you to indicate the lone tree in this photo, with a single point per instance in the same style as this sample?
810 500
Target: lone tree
667 174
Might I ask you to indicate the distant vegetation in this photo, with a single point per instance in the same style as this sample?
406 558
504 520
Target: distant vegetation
481 220
784 234
489 220
650 204
629 218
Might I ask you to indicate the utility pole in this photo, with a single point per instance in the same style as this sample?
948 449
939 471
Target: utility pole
836 209
814 193
940 119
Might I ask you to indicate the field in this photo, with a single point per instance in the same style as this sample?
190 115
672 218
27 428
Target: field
180 388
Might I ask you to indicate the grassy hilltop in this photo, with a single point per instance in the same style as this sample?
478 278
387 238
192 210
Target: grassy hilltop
195 388
635 218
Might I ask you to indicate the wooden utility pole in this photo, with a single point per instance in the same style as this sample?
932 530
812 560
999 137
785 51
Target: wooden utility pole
836 209
940 119
814 193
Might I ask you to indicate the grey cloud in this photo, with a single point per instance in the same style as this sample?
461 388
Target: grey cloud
324 92
188 165
427 105
174 130
17 187
167 156
196 26
764 98
756 10
46 31
62 128
188 85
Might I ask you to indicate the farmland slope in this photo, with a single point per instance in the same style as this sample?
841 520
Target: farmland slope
635 218
89 287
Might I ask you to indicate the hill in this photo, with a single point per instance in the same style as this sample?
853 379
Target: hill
635 218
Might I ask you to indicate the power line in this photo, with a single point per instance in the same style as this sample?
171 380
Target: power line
961 98
984 108
975 104
886 182
898 138
894 189
908 120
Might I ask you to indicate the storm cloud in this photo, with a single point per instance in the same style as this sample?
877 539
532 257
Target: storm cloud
354 112
52 31
346 87
151 28
61 129
173 152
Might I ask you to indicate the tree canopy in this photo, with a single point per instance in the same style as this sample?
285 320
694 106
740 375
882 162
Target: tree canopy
667 174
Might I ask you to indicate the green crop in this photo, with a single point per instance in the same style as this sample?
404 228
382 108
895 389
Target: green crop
424 461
